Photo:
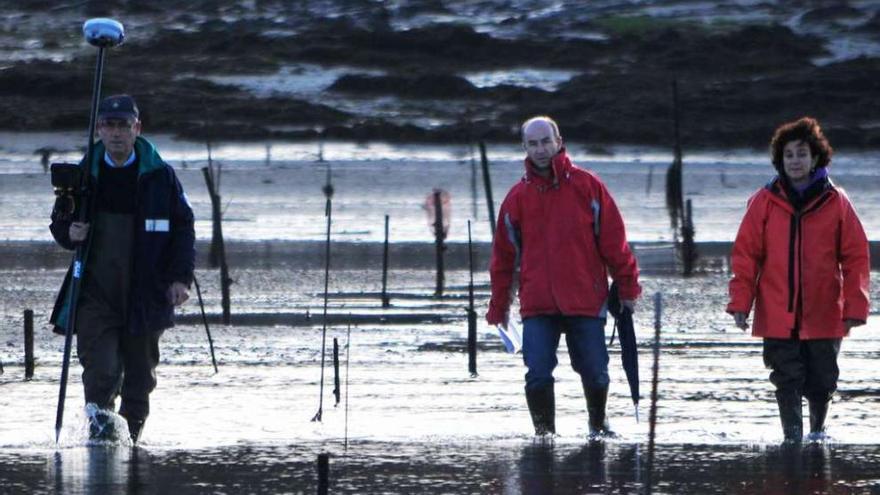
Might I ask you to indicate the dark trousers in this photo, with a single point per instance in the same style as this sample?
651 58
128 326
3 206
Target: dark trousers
806 366
585 337
114 361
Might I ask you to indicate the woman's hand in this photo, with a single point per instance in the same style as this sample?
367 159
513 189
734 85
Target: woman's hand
850 323
740 320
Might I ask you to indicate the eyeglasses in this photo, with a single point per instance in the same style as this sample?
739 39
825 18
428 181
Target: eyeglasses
116 124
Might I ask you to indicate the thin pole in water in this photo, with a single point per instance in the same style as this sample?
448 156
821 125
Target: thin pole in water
347 361
471 314
386 302
439 236
658 312
28 344
487 183
205 321
328 212
336 391
323 473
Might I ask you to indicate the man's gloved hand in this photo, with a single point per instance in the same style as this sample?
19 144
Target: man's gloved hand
497 317
78 231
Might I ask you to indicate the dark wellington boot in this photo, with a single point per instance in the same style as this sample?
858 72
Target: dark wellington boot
596 400
791 414
542 406
135 426
818 413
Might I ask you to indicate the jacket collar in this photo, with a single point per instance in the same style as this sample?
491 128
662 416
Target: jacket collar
148 158
560 166
784 193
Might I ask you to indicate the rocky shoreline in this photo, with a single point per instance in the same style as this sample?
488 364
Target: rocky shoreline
736 82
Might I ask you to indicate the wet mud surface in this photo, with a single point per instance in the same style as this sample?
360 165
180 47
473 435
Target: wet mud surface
414 419
404 72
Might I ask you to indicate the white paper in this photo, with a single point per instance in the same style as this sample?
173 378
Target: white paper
511 337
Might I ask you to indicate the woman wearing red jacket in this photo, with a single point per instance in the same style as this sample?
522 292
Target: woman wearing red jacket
802 257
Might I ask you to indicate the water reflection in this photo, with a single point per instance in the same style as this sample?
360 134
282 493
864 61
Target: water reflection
102 469
528 469
594 467
795 469
617 468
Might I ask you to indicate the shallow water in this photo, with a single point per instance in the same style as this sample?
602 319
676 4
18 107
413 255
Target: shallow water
415 420
516 467
282 199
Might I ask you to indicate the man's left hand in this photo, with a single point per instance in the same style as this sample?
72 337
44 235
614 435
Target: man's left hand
177 294
629 304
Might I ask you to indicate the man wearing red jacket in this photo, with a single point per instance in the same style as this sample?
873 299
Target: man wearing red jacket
560 227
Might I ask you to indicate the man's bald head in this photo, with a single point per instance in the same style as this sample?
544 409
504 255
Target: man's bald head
541 140
540 121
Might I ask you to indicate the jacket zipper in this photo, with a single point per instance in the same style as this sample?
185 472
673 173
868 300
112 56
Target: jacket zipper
546 199
792 241
796 242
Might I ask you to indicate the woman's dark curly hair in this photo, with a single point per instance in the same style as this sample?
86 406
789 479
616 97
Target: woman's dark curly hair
804 129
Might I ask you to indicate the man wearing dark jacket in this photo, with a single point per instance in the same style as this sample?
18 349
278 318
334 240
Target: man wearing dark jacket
139 256
560 227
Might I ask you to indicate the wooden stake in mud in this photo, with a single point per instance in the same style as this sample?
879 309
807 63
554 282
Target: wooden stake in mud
674 187
487 183
217 240
439 237
336 391
658 312
473 180
471 314
28 344
216 232
688 247
323 473
328 212
386 302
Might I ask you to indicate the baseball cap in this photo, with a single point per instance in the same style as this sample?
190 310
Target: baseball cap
118 107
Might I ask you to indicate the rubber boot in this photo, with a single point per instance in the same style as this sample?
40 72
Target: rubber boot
791 414
542 406
596 400
818 413
135 426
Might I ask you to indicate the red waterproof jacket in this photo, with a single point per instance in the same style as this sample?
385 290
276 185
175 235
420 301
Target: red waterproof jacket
562 233
806 269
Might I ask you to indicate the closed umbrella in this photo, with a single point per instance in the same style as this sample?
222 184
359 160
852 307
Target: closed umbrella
629 352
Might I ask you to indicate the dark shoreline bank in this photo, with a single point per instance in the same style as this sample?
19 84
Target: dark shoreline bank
654 257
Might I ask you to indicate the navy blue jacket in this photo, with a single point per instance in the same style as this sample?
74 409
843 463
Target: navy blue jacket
164 242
